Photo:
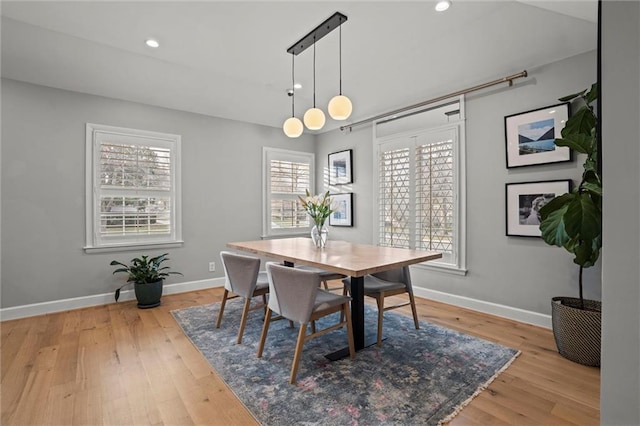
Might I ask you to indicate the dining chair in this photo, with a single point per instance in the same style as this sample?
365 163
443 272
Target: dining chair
325 276
384 284
243 279
294 294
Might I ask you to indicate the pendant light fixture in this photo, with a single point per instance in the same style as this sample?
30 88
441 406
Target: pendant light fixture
293 126
340 106
314 117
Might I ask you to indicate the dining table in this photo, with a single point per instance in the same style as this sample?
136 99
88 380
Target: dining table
351 259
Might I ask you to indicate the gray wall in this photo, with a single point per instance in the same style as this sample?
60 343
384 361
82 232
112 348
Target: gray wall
43 202
620 376
514 271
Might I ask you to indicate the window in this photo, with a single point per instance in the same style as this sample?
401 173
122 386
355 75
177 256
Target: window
420 185
133 188
286 175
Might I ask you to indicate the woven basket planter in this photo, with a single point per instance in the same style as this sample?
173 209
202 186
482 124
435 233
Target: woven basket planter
577 331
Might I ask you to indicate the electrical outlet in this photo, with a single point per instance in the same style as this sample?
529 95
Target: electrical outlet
212 266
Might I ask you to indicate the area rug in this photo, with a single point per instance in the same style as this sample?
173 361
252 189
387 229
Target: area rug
416 377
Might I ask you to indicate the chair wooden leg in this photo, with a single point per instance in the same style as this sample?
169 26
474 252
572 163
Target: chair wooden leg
224 302
313 327
380 300
265 330
346 312
415 312
264 302
296 356
243 320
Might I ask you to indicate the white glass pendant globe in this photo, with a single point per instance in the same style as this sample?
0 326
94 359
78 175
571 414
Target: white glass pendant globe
292 127
314 119
340 107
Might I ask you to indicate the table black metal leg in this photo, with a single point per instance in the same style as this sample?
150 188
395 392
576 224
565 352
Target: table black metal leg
357 311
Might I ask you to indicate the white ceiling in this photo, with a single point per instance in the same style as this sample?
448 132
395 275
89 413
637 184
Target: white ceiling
229 59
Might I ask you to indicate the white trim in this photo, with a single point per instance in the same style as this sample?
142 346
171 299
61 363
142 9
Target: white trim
53 306
516 314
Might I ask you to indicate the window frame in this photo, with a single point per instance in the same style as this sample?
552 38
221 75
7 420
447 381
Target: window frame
269 154
94 243
409 139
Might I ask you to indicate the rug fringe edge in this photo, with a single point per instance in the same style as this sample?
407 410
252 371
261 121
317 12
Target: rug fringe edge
480 389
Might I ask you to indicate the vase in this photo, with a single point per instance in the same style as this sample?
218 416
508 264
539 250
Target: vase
319 235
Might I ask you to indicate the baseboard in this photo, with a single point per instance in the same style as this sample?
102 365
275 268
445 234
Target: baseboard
516 314
24 311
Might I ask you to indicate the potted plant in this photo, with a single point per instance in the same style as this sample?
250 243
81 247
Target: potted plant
147 275
574 221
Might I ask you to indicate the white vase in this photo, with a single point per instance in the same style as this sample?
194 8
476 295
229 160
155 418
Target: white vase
319 235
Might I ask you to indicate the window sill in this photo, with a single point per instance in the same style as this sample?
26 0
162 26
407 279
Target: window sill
131 247
442 267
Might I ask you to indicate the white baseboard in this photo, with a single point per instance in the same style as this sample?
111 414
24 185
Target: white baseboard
516 314
24 311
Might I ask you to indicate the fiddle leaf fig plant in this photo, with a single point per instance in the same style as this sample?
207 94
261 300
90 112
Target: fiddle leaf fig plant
574 220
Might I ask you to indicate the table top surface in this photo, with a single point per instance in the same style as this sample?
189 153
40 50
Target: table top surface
343 257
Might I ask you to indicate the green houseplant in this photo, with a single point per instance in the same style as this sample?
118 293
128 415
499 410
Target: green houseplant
574 221
147 275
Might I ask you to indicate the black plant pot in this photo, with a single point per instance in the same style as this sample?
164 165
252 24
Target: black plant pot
148 294
577 331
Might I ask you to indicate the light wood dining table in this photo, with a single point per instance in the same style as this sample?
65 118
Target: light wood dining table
351 259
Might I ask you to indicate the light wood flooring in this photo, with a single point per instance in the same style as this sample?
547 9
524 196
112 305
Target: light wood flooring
119 365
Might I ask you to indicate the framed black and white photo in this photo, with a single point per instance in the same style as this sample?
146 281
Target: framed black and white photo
340 164
524 201
343 215
530 136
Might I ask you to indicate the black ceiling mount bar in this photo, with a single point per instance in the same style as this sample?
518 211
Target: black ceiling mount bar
330 24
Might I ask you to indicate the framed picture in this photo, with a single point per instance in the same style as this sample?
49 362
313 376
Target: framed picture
343 216
529 136
340 164
523 202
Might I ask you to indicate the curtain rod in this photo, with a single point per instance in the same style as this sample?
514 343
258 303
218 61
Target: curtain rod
509 79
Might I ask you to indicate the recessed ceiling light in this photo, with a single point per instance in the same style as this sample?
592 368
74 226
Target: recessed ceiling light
443 5
297 86
152 43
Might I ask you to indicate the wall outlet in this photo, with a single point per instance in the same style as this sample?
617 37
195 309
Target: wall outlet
212 266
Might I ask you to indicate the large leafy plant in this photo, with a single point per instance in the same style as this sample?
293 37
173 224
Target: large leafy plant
143 270
574 220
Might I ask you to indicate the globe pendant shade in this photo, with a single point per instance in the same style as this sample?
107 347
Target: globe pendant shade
340 107
292 127
314 119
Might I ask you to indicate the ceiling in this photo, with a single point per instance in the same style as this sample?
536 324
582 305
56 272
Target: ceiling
228 59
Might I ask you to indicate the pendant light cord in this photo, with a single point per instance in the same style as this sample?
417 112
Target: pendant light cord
340 61
314 71
293 84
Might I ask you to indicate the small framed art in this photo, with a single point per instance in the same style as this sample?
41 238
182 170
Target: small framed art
340 164
343 215
530 136
524 201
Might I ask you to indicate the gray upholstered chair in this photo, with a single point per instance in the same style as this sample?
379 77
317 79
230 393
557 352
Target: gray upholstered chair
295 294
325 276
243 279
384 284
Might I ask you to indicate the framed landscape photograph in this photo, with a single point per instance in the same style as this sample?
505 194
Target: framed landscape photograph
340 164
524 201
343 216
529 136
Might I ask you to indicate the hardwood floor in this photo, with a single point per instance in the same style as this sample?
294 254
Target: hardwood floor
117 364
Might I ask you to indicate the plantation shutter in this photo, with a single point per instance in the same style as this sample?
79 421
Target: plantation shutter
289 179
416 192
135 194
287 175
